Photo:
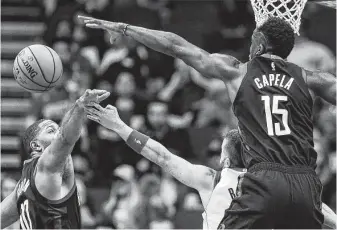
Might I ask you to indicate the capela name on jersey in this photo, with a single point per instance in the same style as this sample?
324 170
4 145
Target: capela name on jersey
274 80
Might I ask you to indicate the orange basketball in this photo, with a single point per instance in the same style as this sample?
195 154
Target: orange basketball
37 68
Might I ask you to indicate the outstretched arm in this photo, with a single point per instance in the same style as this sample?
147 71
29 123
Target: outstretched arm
329 216
322 85
207 64
196 176
51 164
9 212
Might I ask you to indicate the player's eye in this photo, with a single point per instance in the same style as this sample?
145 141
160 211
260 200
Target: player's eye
51 130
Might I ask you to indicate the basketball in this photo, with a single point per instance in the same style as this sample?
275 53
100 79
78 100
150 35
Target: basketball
37 68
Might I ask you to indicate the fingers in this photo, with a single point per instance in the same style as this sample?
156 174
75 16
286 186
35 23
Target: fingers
109 107
94 21
95 95
97 23
93 26
103 97
97 106
93 118
99 91
85 17
92 111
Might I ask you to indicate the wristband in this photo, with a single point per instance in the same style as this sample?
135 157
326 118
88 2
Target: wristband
124 29
137 141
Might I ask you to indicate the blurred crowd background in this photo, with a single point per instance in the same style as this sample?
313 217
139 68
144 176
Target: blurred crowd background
154 93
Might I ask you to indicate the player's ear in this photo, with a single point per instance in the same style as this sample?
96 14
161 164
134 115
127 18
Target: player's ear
227 162
260 50
35 146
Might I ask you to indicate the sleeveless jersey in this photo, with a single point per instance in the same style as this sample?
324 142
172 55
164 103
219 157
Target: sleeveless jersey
274 110
221 197
37 212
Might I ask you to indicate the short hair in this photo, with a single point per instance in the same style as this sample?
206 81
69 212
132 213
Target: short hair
280 36
234 148
30 134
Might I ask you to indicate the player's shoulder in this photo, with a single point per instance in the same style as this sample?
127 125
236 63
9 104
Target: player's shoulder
228 59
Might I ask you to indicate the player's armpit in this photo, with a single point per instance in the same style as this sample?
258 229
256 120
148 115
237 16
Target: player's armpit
198 177
322 85
9 212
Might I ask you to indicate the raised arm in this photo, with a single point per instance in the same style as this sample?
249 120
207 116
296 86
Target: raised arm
9 212
207 64
322 85
51 165
196 176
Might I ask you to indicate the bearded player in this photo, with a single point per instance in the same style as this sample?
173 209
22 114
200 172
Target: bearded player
46 195
216 188
272 100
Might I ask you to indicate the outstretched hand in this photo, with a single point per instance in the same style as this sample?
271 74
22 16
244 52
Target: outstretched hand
108 116
115 29
92 96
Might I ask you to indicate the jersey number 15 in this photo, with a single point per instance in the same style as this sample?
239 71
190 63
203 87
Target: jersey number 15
275 128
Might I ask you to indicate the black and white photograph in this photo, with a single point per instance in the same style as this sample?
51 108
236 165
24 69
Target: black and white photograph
168 114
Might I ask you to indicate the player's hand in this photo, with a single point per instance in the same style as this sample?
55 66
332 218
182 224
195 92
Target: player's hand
108 116
115 29
92 96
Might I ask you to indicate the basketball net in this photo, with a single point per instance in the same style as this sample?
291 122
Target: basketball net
288 10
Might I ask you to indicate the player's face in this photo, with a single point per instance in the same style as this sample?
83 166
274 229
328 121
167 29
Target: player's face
48 132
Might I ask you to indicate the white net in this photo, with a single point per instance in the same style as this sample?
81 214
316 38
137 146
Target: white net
288 10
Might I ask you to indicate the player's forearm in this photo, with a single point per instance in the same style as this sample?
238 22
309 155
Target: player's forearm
7 220
329 216
170 44
152 150
9 213
158 154
71 125
161 41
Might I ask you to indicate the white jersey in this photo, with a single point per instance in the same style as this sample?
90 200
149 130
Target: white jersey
221 197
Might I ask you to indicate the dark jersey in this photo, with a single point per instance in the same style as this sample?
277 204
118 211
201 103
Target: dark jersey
37 212
274 110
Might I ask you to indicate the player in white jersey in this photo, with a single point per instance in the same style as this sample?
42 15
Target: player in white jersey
216 188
